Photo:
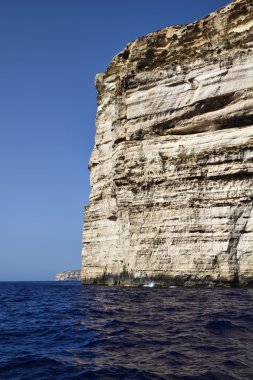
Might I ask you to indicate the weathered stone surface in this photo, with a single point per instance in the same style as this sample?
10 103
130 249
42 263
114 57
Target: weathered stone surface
70 275
172 166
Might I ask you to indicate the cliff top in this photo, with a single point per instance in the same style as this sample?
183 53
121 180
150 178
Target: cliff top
222 32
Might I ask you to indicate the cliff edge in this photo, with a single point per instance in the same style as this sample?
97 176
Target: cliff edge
172 166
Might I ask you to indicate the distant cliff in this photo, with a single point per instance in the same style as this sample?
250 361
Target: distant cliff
70 275
172 166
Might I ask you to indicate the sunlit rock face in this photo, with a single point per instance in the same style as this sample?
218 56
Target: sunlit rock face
172 166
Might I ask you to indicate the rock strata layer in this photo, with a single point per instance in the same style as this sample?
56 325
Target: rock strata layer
70 275
172 166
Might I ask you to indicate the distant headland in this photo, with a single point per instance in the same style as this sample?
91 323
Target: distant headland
69 275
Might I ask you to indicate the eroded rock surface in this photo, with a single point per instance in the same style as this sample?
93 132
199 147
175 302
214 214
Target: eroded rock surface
172 166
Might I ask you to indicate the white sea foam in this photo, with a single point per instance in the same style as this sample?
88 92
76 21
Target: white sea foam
150 284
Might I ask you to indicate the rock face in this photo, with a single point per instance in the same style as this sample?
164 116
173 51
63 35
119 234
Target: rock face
70 275
172 166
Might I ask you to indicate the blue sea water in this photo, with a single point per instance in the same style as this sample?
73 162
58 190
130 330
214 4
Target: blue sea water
53 330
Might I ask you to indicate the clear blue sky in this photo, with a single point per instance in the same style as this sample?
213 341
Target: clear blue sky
50 51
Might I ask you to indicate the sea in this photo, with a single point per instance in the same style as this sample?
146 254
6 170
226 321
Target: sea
63 330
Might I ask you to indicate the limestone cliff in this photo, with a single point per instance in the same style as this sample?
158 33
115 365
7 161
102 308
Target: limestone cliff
172 166
69 275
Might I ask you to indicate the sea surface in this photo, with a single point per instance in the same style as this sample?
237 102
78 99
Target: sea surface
57 330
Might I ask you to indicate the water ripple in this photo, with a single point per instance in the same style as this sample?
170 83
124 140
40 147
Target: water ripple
66 331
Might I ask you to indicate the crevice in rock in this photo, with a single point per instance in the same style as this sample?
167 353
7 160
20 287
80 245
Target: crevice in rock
198 108
118 141
239 175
